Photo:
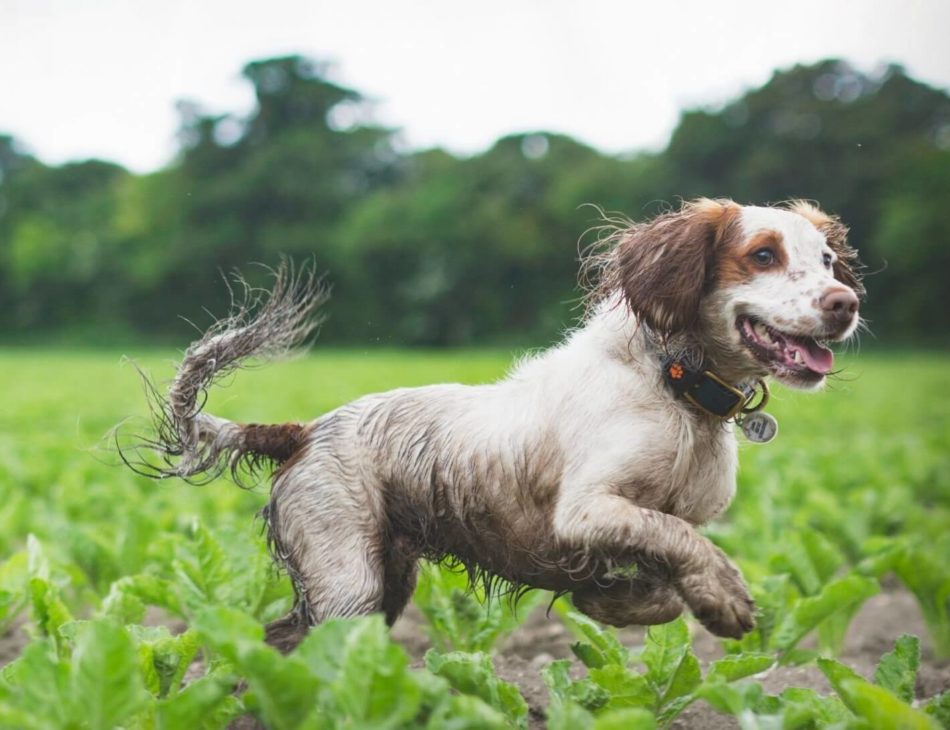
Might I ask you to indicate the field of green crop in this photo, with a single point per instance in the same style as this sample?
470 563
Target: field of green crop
130 603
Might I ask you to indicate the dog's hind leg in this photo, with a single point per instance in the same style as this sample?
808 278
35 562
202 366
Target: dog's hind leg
401 562
331 547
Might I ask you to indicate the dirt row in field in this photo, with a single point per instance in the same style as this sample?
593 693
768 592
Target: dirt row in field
540 640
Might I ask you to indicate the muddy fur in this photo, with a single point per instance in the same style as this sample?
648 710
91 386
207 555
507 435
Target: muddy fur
580 472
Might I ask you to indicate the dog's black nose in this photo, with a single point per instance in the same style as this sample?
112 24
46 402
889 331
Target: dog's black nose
839 305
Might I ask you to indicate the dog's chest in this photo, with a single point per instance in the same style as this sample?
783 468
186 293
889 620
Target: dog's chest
687 469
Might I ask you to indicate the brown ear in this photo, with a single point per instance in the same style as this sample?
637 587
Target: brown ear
663 267
847 268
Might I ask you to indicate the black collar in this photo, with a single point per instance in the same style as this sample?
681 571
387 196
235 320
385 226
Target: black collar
706 390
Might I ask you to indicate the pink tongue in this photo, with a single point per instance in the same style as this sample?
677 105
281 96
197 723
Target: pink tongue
816 357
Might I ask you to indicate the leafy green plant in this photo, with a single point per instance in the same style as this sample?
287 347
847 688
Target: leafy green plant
813 533
884 704
458 615
13 578
473 674
784 618
877 706
928 578
671 679
97 683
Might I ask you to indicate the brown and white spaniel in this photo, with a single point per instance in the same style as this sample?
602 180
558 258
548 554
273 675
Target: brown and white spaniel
584 471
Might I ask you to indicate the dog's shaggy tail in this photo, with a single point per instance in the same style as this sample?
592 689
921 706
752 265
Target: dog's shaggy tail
197 446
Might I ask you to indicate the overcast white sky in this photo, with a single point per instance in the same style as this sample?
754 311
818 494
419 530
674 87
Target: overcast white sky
83 78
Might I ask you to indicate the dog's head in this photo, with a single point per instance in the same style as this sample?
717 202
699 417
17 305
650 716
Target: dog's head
760 290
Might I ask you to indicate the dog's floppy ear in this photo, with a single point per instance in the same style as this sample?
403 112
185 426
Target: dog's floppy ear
663 267
847 268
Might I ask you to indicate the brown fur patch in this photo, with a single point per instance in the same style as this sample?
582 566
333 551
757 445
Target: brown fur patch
736 265
278 442
665 266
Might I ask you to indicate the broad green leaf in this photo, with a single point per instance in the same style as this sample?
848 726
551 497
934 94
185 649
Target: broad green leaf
49 611
732 699
795 560
663 650
881 709
466 712
205 704
809 612
805 708
897 670
825 558
123 608
928 577
37 562
880 555
685 680
373 688
738 666
14 573
625 688
38 684
15 717
608 649
672 668
837 673
92 551
590 656
631 718
281 688
474 674
163 659
129 595
320 649
562 688
203 570
568 715
105 682
147 667
875 704
459 616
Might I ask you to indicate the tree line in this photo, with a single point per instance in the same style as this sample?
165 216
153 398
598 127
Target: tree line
428 248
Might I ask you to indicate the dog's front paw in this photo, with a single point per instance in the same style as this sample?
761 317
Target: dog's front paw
718 597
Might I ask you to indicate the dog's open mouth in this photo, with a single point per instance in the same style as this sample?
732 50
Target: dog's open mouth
786 355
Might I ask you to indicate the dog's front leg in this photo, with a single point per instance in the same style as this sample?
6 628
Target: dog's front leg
611 527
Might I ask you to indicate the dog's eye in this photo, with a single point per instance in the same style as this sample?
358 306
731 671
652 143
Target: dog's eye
764 257
826 260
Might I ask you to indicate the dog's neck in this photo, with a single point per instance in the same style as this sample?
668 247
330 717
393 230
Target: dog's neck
667 359
618 332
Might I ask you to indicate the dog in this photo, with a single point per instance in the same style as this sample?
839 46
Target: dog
585 471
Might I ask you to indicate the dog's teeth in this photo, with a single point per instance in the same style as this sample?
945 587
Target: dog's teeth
762 331
797 357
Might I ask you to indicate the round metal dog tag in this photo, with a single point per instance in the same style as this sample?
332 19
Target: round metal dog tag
759 427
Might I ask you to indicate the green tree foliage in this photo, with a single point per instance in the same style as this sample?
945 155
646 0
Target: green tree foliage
429 248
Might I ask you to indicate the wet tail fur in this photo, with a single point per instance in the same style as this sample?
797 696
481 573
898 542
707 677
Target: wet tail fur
197 446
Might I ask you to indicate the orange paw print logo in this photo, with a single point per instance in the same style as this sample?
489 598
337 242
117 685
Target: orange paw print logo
676 371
